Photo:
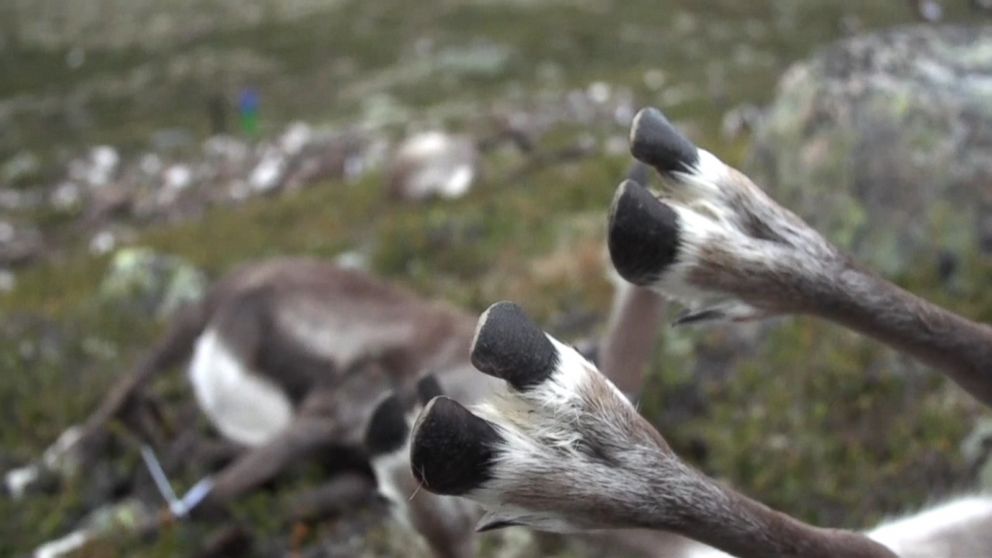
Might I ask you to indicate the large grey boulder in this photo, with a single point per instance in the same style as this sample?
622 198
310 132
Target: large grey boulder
884 143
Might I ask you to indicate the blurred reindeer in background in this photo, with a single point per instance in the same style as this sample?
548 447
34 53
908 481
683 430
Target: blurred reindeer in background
287 358
560 448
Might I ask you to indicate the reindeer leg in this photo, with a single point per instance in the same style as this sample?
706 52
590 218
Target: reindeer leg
305 435
628 344
338 495
330 415
175 348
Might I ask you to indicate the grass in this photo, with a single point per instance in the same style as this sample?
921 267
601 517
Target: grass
329 65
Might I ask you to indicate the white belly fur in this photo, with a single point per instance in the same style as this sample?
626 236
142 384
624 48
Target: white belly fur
244 406
957 528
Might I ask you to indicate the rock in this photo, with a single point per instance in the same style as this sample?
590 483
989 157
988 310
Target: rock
884 143
65 196
128 516
96 169
19 245
8 281
353 259
109 203
20 169
145 281
269 172
103 242
297 136
433 164
928 10
175 179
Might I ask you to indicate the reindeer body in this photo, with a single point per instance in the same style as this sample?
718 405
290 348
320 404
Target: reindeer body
244 406
288 357
279 331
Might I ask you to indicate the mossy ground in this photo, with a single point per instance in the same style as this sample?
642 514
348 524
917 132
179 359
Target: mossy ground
814 421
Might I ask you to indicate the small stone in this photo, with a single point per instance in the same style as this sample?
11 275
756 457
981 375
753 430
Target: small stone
65 196
20 169
102 243
8 281
654 79
433 164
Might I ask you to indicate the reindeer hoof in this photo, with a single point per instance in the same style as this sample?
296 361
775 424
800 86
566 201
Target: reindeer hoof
452 450
428 388
643 234
653 140
510 346
387 429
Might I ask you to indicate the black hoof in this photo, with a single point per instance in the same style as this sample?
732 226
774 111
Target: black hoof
510 346
639 173
428 388
653 140
453 450
643 235
387 430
